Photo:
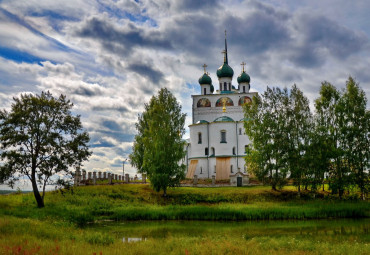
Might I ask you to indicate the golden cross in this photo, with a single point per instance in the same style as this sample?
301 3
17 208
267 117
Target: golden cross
224 100
204 66
243 64
224 52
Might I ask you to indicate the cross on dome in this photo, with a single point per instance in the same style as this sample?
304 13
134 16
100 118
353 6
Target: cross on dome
243 64
204 66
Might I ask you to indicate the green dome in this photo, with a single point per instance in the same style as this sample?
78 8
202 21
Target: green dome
225 71
212 88
205 79
202 122
223 118
243 77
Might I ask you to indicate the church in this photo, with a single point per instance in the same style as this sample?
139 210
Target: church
217 141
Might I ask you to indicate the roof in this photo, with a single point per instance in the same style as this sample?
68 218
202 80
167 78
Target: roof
224 119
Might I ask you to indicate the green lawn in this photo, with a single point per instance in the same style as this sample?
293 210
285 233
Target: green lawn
63 225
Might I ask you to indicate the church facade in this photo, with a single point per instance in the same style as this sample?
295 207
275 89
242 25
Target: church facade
217 140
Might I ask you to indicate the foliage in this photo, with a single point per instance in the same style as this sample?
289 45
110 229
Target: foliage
158 147
287 140
40 138
343 126
267 128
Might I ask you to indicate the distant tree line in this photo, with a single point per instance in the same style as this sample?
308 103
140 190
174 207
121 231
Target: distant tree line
331 145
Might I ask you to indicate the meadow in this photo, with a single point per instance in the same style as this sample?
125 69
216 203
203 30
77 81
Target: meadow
71 222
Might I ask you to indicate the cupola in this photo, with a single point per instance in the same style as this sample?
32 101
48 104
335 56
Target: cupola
244 81
205 82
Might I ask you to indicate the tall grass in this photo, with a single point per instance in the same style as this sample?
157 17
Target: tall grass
139 202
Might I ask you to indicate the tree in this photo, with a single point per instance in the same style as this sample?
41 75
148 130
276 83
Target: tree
330 121
267 127
299 127
40 138
356 132
158 147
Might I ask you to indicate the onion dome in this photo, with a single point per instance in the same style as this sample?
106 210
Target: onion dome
205 79
224 119
225 71
244 77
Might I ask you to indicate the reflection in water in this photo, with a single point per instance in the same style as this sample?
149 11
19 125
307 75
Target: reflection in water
327 230
133 239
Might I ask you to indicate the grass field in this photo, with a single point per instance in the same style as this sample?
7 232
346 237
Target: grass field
63 226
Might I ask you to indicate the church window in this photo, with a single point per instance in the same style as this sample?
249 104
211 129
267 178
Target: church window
199 138
201 170
213 151
206 151
243 89
205 91
225 86
223 136
234 151
240 131
246 148
221 86
231 169
215 169
230 86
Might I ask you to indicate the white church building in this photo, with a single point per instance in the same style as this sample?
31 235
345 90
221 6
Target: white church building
217 139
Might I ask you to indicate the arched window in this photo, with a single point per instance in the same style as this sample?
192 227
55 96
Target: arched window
225 86
221 86
246 148
243 89
206 151
199 137
213 151
205 91
223 136
215 169
234 151
229 86
240 131
231 169
201 170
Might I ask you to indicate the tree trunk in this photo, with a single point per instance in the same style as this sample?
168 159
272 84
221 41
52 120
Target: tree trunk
299 190
164 193
36 193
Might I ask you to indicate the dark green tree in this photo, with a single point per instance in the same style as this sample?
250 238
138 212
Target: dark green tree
299 119
158 147
40 138
356 134
330 117
267 128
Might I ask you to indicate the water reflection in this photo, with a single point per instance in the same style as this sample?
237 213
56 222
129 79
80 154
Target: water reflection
320 229
133 239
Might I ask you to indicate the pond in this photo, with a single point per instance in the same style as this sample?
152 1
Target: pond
324 229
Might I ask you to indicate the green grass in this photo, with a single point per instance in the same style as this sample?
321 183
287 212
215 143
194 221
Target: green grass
30 236
139 202
63 226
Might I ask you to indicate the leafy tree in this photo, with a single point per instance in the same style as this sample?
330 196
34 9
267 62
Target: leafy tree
356 134
299 119
40 138
330 123
158 147
267 128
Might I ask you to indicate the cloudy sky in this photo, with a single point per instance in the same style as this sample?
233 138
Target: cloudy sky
110 57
